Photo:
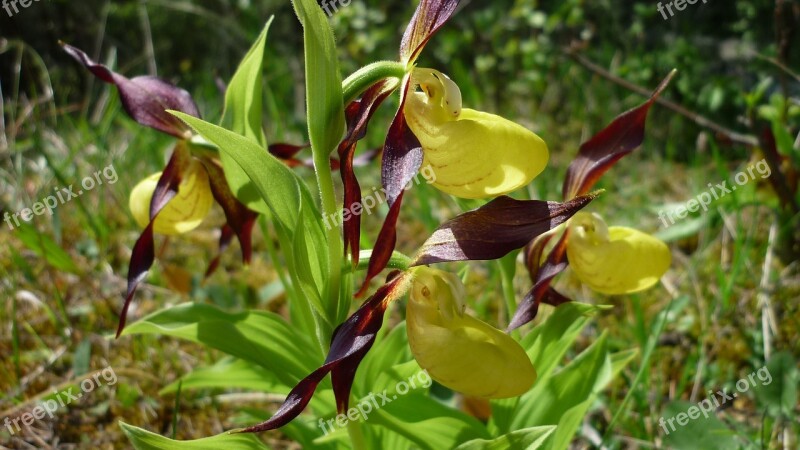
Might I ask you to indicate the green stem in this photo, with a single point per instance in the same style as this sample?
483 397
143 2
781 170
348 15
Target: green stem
322 166
356 435
507 267
368 75
396 261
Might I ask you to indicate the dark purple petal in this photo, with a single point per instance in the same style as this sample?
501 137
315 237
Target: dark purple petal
146 99
239 217
604 149
402 155
286 151
358 115
555 264
143 253
225 238
428 18
384 246
351 341
495 229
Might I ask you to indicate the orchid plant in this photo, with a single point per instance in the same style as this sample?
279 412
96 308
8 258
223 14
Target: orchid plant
472 155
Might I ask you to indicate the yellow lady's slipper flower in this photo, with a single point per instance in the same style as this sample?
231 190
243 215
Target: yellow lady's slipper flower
473 154
614 260
185 211
460 351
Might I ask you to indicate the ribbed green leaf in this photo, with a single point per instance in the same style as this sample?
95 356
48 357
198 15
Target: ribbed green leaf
702 433
526 438
280 188
426 422
145 440
243 114
546 345
323 79
564 398
262 338
229 373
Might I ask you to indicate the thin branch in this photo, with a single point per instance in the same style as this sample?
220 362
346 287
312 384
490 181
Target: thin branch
731 135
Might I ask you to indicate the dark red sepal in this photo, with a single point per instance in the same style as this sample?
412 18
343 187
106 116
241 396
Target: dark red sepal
428 18
143 253
358 115
604 149
495 229
384 246
350 343
146 99
555 264
238 216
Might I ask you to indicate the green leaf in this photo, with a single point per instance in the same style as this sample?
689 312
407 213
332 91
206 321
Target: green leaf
564 398
243 114
427 423
546 345
280 188
777 385
229 373
695 434
262 338
145 440
387 353
682 229
309 260
323 79
45 247
232 373
526 438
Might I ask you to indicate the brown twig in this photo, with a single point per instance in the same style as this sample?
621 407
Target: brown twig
705 122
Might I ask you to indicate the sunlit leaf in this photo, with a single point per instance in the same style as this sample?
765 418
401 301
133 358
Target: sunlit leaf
428 423
564 398
244 111
260 337
146 440
228 373
526 438
324 102
702 433
45 247
278 185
